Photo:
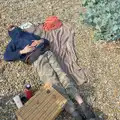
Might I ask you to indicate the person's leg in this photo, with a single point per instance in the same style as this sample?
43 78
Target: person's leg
70 108
63 78
48 75
69 86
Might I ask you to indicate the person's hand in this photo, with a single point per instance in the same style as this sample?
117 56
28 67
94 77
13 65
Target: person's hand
11 27
36 42
47 86
27 49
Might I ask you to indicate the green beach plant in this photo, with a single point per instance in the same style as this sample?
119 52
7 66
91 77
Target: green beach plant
104 16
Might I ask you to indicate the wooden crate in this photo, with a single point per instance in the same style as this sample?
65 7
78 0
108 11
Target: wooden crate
44 105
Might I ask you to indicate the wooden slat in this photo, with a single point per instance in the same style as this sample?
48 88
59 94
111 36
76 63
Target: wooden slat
31 101
44 109
52 110
32 109
55 113
42 106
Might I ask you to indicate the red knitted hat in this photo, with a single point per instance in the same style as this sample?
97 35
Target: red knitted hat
52 23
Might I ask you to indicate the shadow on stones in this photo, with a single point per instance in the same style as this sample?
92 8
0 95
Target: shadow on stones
87 93
7 108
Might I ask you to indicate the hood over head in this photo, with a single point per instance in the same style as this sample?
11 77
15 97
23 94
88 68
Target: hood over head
15 33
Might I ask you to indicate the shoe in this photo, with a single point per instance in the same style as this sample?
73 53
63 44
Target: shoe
86 112
76 116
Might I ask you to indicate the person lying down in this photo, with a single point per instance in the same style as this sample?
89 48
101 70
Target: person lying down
32 49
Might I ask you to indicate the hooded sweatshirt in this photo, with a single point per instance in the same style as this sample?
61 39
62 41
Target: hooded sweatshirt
19 40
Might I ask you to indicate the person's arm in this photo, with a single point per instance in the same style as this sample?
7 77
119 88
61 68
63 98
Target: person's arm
40 42
46 42
27 49
11 53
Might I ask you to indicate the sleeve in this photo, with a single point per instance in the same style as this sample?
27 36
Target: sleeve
36 37
46 42
11 53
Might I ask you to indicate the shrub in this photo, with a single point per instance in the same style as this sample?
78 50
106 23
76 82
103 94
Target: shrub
104 16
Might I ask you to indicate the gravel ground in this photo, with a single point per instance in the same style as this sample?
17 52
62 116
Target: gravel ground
102 90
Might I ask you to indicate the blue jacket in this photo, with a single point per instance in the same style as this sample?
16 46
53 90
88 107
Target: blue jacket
20 39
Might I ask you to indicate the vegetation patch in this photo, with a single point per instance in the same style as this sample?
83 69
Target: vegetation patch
104 16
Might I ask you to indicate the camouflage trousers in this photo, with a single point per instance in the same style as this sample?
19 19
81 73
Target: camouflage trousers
50 71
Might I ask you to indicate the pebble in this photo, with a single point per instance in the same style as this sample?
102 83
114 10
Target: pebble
98 92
